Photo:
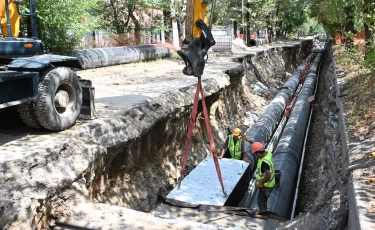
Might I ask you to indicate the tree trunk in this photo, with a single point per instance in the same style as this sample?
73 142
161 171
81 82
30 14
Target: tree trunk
278 30
167 19
137 26
115 16
269 29
367 24
235 29
248 32
349 26
277 24
271 34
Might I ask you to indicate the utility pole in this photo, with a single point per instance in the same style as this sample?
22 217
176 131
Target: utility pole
248 31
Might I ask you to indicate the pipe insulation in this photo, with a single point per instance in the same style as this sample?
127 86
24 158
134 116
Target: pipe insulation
102 57
288 152
267 123
259 41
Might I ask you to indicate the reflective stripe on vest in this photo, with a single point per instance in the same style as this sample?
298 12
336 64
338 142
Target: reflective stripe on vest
268 159
235 150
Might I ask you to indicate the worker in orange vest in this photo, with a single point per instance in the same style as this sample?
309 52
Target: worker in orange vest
234 146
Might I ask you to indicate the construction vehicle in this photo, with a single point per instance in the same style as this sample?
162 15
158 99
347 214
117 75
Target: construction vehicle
46 91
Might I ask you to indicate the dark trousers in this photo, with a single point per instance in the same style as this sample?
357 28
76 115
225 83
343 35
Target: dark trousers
227 155
263 195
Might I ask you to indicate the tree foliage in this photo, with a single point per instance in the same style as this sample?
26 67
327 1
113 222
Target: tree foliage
284 16
62 24
123 16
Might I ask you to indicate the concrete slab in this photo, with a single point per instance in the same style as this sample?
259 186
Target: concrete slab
202 185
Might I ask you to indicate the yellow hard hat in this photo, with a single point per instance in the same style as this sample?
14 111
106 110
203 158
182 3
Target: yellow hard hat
236 132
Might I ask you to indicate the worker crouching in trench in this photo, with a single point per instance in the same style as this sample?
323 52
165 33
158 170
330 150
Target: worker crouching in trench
234 146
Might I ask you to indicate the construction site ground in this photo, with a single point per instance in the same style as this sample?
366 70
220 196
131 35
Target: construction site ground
122 164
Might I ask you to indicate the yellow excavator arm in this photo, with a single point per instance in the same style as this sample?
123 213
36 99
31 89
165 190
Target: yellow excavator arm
195 9
13 16
198 38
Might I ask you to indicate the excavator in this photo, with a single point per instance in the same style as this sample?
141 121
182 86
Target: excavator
46 91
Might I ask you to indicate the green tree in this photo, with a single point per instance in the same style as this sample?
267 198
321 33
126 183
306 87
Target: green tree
62 24
125 15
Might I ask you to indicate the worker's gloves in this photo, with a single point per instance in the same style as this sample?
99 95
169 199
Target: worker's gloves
260 184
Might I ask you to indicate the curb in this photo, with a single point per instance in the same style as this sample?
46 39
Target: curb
357 218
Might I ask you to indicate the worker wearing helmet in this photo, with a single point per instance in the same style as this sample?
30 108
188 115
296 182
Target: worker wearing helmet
265 174
234 146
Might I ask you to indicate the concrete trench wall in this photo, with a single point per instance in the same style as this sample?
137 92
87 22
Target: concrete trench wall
133 159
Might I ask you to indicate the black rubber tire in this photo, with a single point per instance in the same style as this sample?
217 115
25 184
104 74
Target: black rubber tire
44 109
27 115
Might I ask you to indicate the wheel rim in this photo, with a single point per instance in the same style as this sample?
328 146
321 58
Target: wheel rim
65 100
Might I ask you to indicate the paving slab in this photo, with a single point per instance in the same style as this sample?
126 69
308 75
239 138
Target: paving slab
202 185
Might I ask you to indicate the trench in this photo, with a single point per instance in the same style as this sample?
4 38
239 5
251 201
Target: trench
140 173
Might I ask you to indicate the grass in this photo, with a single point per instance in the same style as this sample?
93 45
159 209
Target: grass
360 89
175 57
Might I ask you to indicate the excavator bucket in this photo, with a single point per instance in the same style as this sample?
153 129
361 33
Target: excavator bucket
198 38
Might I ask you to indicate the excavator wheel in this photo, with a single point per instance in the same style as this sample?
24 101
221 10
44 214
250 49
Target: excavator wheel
59 99
27 115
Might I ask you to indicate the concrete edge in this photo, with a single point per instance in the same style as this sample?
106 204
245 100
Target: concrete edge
355 218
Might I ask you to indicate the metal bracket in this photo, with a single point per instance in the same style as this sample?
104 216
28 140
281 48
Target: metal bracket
194 54
88 111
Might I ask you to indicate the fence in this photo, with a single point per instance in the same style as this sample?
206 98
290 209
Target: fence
100 39
223 38
223 43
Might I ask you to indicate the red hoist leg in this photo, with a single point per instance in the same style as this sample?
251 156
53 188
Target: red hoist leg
198 91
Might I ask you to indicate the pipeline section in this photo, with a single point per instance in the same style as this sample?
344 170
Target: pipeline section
259 41
263 129
288 152
318 50
102 57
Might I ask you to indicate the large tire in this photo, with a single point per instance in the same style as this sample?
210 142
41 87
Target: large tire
48 114
27 115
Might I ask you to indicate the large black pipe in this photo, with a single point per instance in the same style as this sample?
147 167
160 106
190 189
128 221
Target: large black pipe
260 41
102 57
267 123
288 152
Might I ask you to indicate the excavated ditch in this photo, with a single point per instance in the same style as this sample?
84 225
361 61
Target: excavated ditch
138 173
135 174
322 201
